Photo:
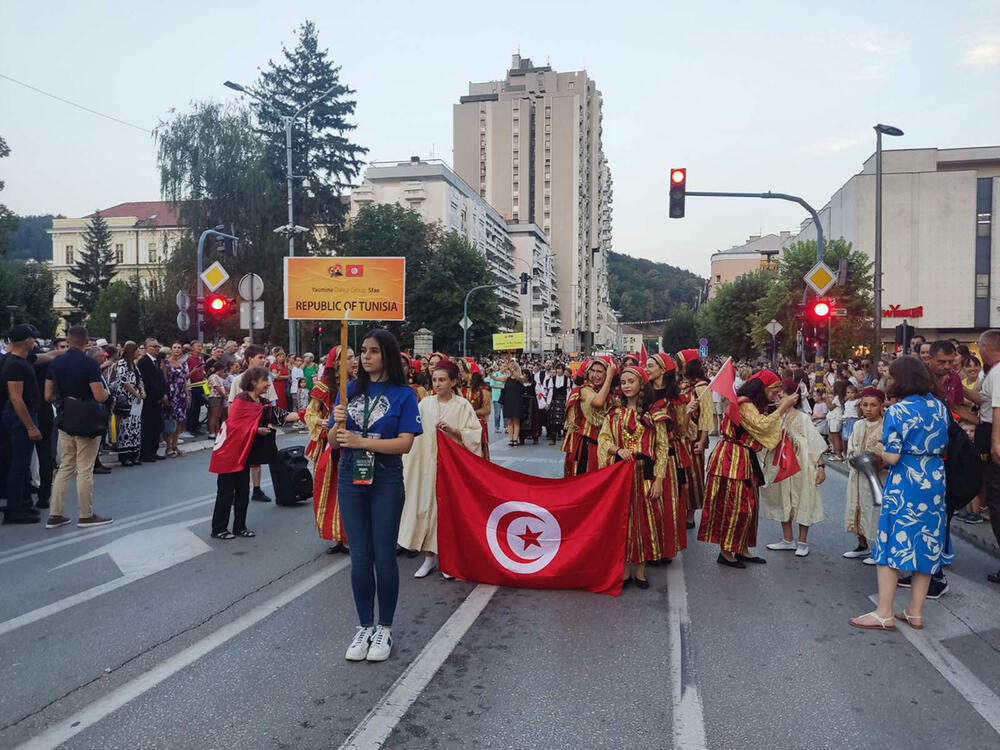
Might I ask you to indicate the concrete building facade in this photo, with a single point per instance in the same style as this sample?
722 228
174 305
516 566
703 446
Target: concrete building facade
940 236
541 317
531 145
436 193
143 234
756 253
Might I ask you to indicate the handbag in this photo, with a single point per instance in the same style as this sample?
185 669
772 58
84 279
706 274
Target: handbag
785 460
82 418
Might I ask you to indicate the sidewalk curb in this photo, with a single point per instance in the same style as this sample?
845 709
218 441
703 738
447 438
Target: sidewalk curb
963 531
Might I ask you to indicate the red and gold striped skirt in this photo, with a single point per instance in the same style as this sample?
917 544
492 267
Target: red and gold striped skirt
329 524
695 482
729 517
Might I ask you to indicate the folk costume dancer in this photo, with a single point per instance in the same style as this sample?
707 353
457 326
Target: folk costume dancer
453 415
702 422
796 498
476 392
324 455
729 517
662 371
634 433
411 371
587 408
861 514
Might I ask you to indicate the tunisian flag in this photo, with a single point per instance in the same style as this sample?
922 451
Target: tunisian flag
724 383
510 529
232 446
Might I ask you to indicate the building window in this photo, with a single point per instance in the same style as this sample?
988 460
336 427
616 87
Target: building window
153 253
119 253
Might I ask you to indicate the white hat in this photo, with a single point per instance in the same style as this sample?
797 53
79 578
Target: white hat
101 342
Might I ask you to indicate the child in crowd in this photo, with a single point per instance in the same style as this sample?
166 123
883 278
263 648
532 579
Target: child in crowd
301 395
835 418
851 414
861 514
216 397
819 413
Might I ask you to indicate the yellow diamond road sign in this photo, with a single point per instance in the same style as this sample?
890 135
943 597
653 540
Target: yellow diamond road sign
821 278
214 276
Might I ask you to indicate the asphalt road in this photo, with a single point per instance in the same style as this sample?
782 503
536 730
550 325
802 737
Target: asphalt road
149 634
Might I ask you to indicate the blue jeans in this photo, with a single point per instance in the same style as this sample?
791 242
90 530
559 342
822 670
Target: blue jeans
497 415
371 521
21 447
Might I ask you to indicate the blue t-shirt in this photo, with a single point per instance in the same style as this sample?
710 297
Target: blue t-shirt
393 410
497 385
73 372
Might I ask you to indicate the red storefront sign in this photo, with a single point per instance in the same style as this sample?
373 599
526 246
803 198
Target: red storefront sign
895 311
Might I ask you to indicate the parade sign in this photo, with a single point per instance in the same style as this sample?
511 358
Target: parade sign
507 341
338 288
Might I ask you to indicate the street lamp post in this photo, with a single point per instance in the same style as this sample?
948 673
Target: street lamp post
287 120
880 130
114 328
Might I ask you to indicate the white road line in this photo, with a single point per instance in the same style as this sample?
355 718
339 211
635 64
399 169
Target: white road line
65 538
376 727
983 700
688 713
89 715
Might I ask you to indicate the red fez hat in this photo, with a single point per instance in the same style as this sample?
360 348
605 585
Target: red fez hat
664 360
331 358
766 377
688 355
641 372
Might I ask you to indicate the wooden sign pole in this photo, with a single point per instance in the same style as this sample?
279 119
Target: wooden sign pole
343 367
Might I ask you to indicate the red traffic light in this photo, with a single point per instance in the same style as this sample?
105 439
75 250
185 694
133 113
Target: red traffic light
821 309
217 303
218 306
678 176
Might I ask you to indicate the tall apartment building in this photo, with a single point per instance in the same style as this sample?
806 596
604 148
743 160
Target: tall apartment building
531 145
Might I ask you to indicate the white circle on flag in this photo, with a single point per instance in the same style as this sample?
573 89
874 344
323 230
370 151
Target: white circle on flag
523 537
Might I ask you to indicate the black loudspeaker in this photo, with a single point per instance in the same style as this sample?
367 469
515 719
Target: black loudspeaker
290 476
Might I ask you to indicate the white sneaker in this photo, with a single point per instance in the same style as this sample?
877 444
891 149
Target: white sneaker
869 561
447 577
381 645
784 544
358 649
801 549
854 554
426 567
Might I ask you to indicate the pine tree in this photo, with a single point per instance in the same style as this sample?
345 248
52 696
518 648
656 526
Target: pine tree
96 267
321 150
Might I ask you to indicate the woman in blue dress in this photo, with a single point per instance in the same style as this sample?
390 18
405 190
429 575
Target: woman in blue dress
912 525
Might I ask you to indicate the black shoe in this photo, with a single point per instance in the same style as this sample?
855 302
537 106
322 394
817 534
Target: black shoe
411 553
666 560
994 577
729 563
754 560
689 525
259 496
905 582
42 505
937 588
654 563
148 460
338 547
102 469
627 582
20 518
641 583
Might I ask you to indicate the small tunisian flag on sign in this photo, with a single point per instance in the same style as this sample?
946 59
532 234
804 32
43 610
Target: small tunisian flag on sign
501 527
724 383
355 270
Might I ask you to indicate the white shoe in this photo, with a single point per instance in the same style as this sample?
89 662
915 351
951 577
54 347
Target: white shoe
381 645
801 549
425 569
784 544
854 554
447 577
869 561
358 649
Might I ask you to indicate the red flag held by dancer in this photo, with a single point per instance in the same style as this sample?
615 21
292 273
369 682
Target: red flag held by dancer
724 384
510 529
232 446
643 355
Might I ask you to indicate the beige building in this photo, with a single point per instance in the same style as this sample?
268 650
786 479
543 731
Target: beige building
531 145
541 317
940 236
436 193
759 251
143 234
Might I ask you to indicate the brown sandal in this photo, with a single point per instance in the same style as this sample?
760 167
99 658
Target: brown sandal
884 623
906 617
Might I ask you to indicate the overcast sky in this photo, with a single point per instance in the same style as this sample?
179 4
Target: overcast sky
747 96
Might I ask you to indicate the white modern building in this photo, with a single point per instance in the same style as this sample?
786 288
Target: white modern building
436 193
940 237
541 317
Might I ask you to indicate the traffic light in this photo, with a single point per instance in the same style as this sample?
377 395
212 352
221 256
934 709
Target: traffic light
821 310
216 307
678 189
524 282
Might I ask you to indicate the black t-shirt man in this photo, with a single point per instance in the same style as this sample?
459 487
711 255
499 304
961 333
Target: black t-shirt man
20 370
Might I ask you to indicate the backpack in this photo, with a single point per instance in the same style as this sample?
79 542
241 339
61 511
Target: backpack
963 468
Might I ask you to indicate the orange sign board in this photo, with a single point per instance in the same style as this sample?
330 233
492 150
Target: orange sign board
338 288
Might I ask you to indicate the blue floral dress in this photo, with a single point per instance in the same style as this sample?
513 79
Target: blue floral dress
912 524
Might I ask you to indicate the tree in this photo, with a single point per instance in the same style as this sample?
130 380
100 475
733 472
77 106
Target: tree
96 267
848 331
124 299
389 230
681 329
8 221
30 288
666 285
636 304
31 239
727 321
455 268
321 150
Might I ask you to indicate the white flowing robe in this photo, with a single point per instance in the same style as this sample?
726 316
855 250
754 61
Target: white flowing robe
418 524
861 514
796 498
